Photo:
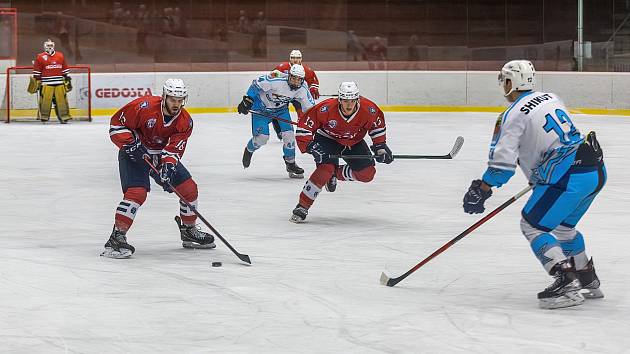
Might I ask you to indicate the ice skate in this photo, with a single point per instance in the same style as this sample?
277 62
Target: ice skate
565 290
299 214
331 185
247 158
294 170
193 237
590 282
117 246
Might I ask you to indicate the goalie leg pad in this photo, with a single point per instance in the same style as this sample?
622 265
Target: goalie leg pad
61 103
45 102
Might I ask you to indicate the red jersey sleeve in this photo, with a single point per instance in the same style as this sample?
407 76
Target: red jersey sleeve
122 124
308 123
377 129
38 67
311 78
64 66
176 146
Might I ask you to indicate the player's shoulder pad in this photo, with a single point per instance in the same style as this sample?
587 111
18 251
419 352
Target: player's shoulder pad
185 121
369 106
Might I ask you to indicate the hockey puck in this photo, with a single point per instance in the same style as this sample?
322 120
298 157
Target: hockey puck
216 264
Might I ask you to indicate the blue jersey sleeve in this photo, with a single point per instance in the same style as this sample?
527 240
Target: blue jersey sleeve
496 177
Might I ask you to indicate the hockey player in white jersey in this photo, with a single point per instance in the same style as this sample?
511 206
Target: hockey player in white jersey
271 95
566 170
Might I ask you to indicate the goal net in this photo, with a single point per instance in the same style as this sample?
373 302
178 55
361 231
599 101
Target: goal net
20 105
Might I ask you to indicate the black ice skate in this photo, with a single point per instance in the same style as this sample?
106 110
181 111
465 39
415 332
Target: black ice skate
294 170
299 214
331 185
247 158
117 246
565 290
590 282
193 237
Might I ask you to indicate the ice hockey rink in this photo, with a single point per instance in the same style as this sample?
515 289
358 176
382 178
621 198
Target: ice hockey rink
311 288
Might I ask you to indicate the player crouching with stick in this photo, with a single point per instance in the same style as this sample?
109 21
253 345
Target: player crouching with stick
335 126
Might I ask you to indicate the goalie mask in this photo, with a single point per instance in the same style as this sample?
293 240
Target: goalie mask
521 74
296 76
49 47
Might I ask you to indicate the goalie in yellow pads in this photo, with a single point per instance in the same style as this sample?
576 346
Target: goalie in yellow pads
51 81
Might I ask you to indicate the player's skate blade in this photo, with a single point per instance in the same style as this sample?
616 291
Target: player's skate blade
569 299
190 244
111 253
592 293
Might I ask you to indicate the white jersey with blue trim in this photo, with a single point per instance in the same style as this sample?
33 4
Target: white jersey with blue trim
536 133
274 93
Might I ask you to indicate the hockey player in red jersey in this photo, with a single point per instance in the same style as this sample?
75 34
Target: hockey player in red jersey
333 127
157 128
295 57
50 72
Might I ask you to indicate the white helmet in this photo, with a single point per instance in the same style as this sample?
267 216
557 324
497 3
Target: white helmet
295 53
348 91
521 74
174 88
49 46
296 70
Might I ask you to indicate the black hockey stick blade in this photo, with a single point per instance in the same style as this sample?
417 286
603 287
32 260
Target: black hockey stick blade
385 280
459 142
242 257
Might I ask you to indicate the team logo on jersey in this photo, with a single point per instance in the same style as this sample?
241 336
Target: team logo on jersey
332 123
372 110
144 104
151 122
324 109
158 140
45 57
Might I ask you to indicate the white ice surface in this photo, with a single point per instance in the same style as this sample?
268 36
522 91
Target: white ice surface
312 288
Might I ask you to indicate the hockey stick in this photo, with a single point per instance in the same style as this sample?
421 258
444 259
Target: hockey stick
264 114
385 280
456 147
242 257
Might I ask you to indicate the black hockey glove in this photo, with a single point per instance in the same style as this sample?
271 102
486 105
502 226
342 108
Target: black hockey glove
245 105
317 150
475 197
135 151
383 153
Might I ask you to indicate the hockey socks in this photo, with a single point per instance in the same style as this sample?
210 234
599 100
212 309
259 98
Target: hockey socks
314 185
345 173
126 211
188 189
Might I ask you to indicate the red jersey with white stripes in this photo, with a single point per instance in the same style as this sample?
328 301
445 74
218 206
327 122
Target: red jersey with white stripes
309 74
143 118
325 118
50 69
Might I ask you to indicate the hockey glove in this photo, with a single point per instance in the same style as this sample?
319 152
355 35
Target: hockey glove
314 92
317 150
245 105
383 153
475 197
136 151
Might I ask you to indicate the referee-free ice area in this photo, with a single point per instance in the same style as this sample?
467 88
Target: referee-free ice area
311 288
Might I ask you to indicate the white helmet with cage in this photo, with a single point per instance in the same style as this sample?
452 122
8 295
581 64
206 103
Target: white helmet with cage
521 74
174 88
49 46
348 91
296 70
